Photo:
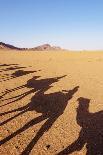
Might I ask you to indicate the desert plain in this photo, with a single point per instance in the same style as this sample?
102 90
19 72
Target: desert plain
51 102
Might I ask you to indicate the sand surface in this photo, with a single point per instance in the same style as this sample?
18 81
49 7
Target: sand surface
50 102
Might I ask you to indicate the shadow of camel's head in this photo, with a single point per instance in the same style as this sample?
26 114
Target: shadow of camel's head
83 103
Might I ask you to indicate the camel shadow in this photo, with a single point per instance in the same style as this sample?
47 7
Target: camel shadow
91 133
51 106
11 67
5 65
39 86
35 84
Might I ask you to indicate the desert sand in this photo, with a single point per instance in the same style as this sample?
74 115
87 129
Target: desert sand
51 102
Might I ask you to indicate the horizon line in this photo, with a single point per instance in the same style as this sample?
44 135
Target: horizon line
52 45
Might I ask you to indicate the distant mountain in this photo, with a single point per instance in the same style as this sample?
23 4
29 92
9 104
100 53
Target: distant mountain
45 47
38 48
7 46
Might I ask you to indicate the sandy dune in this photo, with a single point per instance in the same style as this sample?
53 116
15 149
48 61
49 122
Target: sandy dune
51 103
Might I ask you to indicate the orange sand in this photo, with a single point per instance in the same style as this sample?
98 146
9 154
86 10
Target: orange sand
41 102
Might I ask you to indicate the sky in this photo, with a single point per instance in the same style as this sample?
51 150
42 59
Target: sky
71 24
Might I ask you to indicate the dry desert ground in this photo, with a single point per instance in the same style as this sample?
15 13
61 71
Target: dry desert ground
51 103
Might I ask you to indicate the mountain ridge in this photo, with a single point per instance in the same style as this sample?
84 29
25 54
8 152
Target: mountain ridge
37 48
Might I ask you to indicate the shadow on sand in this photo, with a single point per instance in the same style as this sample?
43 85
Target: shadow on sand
51 106
12 67
91 132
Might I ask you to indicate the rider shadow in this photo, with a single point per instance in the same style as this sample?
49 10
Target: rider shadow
16 74
39 86
35 84
91 133
19 73
11 67
51 106
5 65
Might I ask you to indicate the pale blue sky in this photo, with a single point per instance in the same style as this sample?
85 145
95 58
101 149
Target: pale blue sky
72 24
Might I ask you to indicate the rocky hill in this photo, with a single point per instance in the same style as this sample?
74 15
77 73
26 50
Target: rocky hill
8 46
43 47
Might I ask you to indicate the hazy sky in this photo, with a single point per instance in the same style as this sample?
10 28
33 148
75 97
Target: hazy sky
72 24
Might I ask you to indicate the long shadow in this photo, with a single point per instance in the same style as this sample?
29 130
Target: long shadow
10 67
13 68
19 73
11 90
5 65
39 86
91 133
16 74
18 88
51 106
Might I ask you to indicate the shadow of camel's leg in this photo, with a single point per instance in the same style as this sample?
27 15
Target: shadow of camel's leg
11 118
15 110
11 90
20 97
75 146
26 126
45 127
